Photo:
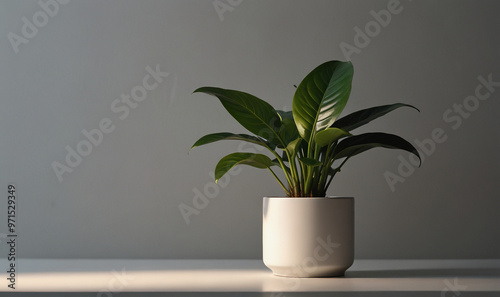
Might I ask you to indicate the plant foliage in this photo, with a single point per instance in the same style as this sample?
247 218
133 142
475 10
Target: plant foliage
310 143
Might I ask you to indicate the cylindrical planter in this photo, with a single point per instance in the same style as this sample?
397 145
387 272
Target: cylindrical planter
308 237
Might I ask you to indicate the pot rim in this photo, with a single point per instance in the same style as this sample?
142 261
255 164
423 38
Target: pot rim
309 198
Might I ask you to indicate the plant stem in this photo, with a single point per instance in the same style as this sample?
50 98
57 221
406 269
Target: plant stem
335 172
295 175
279 181
302 179
287 175
329 181
326 167
310 171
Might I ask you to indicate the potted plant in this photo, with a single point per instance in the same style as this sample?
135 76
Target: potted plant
306 233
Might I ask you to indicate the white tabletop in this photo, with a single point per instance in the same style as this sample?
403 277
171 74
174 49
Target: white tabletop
109 277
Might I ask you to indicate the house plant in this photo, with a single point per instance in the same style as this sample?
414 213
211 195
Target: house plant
309 144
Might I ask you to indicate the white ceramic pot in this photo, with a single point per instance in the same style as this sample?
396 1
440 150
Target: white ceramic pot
308 237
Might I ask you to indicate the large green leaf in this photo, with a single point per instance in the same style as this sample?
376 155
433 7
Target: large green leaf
256 115
256 160
321 97
330 135
288 131
231 136
285 114
293 146
310 162
364 116
360 143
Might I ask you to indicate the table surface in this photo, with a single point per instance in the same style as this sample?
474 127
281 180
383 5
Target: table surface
443 277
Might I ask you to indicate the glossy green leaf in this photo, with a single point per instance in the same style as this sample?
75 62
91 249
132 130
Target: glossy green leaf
329 136
231 160
360 143
288 131
285 114
364 116
256 115
311 137
210 138
310 162
292 148
321 97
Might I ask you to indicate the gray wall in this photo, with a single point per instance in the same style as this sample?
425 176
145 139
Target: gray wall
123 198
